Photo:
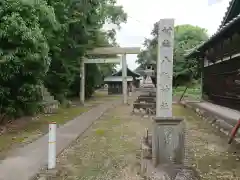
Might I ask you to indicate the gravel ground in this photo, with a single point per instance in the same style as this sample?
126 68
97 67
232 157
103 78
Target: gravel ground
210 153
110 149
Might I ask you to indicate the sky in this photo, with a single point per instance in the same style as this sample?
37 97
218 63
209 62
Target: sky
142 14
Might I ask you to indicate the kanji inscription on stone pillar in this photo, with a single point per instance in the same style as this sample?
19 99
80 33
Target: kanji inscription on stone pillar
165 68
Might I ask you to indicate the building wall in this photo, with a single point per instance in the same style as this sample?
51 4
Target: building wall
221 83
116 87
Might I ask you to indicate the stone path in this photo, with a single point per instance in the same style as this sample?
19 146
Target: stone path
24 163
108 150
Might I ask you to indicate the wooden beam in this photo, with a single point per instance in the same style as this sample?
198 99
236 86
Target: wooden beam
114 50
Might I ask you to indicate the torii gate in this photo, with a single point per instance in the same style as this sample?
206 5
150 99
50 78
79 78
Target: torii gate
123 51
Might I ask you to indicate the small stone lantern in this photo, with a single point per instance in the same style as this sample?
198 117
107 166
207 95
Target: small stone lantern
151 71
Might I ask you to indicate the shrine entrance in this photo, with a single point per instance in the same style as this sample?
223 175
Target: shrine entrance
115 51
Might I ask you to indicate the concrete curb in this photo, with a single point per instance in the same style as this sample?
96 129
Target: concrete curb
222 123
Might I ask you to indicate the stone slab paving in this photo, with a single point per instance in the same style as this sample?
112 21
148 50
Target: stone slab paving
24 163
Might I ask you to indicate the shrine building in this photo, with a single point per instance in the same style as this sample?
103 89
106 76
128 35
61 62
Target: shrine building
114 81
219 59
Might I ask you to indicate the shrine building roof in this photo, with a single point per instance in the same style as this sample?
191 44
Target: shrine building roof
229 25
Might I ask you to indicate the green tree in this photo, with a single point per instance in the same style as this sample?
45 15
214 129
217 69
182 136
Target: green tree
24 54
81 23
185 38
43 42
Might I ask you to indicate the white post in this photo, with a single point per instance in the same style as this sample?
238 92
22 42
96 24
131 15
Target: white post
52 145
82 83
165 68
124 78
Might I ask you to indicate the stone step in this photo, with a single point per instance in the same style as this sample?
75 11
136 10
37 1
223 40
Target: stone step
144 105
46 94
50 105
48 98
50 102
146 99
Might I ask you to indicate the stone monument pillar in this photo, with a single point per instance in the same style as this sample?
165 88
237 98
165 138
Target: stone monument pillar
163 152
168 132
165 68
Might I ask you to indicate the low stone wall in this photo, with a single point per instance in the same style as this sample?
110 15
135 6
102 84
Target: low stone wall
222 124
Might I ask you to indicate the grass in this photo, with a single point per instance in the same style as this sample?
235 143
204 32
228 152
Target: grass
193 92
28 129
37 126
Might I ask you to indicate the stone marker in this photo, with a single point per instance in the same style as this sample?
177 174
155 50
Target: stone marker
169 142
168 138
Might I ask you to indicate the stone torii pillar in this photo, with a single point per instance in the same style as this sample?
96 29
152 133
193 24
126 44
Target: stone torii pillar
123 51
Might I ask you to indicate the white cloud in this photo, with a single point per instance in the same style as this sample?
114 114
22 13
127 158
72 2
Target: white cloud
144 13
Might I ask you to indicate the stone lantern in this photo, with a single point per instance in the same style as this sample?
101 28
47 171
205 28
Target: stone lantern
150 71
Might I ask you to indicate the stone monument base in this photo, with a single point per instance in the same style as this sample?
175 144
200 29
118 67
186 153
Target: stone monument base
163 171
160 166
